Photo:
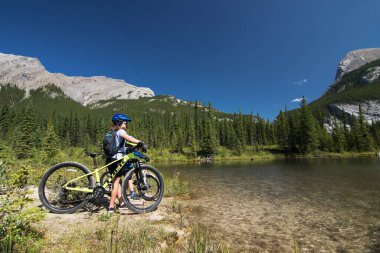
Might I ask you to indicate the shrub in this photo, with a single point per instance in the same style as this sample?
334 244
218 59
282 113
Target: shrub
16 231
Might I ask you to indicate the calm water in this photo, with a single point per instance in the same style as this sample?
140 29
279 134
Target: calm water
319 205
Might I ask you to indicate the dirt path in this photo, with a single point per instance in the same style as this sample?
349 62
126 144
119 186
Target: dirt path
167 216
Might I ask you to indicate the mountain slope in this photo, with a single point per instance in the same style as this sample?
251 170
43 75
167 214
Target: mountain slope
29 74
360 86
50 98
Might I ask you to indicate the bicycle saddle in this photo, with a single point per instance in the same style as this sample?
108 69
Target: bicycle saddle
93 154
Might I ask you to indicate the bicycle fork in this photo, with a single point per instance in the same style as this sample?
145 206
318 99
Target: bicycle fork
141 175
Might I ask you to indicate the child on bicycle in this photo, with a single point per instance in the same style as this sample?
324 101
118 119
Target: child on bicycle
120 122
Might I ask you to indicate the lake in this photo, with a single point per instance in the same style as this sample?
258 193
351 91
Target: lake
314 205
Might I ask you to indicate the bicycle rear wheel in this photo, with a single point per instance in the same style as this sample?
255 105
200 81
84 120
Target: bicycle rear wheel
59 200
150 189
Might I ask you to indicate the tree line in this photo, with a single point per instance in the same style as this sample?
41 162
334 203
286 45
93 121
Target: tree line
200 130
304 131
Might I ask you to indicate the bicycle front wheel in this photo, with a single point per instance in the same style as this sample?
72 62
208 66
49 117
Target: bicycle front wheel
55 197
148 186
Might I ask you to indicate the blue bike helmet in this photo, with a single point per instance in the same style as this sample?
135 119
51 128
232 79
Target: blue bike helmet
119 118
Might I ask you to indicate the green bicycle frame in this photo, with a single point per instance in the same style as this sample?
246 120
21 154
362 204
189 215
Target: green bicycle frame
122 161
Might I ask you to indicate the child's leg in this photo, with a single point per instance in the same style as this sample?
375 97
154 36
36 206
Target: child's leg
115 191
130 184
119 195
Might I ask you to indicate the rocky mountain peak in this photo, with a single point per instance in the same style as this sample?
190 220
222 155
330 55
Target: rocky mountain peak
354 60
28 73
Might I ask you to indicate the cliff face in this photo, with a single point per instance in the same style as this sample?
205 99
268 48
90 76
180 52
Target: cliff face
357 82
370 109
355 59
28 73
352 61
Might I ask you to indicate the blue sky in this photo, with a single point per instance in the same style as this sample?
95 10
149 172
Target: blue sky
240 55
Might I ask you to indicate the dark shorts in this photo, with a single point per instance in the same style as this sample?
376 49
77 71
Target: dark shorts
114 166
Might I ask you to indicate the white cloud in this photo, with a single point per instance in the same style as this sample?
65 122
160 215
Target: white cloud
301 83
296 100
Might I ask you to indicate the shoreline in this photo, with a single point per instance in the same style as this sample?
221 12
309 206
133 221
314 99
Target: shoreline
270 156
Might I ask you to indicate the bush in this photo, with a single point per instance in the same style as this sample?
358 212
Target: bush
16 231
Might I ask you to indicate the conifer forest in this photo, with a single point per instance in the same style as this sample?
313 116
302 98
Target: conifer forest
195 129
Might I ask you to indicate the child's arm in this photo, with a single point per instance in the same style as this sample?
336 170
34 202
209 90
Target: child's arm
130 138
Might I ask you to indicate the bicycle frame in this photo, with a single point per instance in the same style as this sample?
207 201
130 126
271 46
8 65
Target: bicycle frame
122 161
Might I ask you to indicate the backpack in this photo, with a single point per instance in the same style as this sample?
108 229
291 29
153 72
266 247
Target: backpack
109 143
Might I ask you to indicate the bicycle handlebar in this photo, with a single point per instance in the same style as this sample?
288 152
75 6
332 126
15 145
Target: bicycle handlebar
134 147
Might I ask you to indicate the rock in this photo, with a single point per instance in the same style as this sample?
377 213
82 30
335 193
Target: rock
28 73
370 108
156 217
329 123
372 75
354 60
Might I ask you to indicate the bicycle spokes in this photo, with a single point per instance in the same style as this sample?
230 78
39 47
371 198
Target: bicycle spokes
148 187
58 188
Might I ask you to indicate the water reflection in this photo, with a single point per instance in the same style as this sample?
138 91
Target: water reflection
321 204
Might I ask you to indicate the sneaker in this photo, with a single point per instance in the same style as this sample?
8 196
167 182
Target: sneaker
111 210
135 197
123 206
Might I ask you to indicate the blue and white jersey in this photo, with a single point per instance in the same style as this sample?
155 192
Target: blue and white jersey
119 138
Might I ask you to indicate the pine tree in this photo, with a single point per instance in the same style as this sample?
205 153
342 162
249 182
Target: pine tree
177 137
231 136
25 133
67 141
197 121
365 140
325 142
192 138
307 140
75 131
283 132
375 131
239 148
5 120
338 137
209 137
223 133
50 143
240 130
251 130
346 132
355 135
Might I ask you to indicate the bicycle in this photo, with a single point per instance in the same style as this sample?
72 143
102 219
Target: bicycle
68 186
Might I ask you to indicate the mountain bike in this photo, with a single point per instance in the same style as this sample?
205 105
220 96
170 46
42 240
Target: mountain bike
68 186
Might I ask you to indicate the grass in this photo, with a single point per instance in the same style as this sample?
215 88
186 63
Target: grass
221 154
181 210
346 154
175 186
138 236
201 241
112 236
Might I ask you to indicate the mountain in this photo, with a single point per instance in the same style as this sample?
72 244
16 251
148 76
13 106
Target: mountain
51 99
357 83
29 74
